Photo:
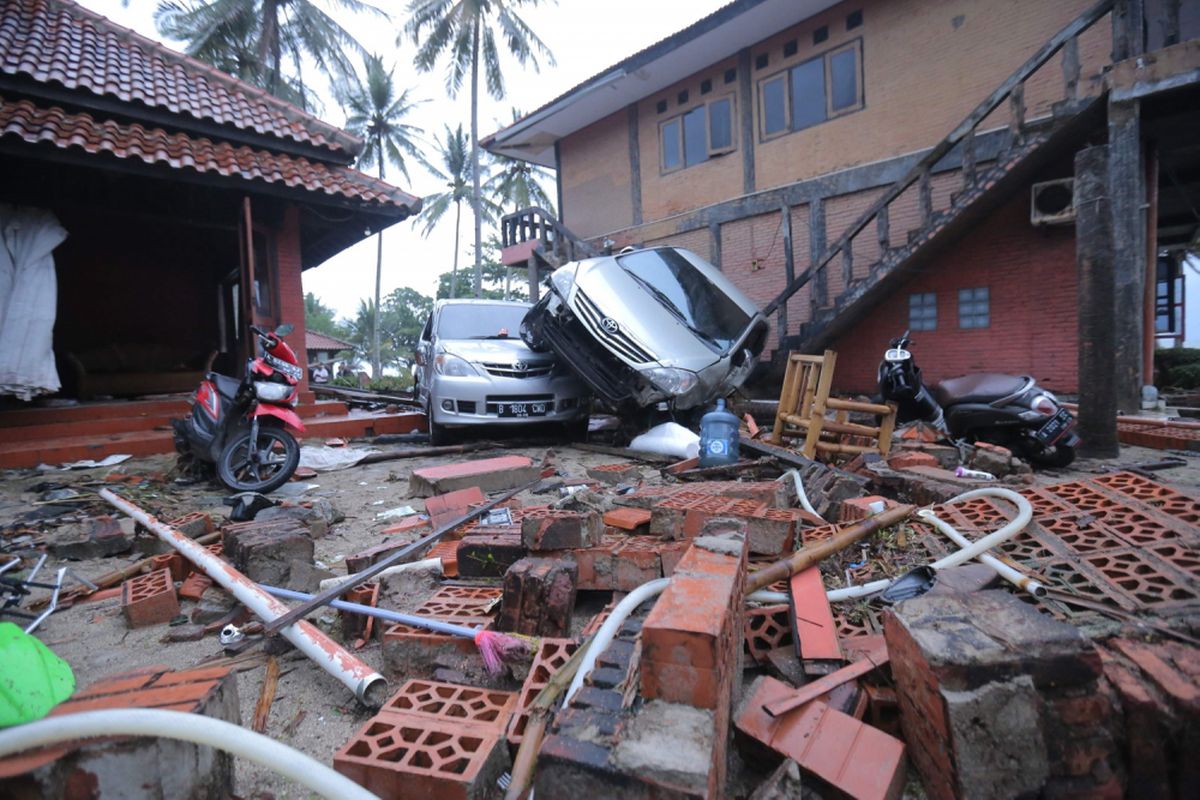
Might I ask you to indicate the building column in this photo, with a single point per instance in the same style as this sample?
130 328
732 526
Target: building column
1127 207
1097 307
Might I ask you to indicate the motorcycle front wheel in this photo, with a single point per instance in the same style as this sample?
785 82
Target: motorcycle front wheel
277 458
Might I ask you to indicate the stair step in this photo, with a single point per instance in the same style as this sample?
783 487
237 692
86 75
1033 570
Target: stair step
59 449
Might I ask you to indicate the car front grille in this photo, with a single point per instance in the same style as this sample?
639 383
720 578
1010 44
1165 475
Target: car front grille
621 343
535 370
608 375
519 398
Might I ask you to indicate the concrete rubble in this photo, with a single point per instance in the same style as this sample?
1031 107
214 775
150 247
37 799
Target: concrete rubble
705 690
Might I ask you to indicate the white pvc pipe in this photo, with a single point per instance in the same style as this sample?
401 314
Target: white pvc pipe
604 636
801 495
1015 577
971 550
368 685
428 563
196 728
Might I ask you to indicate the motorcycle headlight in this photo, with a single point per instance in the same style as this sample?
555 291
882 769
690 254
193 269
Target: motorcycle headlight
271 392
676 382
563 280
452 366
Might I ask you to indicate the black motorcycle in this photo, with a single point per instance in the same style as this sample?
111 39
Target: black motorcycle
1007 410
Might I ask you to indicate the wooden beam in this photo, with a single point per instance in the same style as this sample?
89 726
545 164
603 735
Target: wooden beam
789 263
746 113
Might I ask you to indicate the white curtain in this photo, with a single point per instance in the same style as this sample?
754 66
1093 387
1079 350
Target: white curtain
28 301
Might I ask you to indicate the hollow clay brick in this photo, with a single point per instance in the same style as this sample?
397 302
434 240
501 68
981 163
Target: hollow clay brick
149 599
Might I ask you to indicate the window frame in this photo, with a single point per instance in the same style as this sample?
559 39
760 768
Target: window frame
855 45
974 314
912 323
681 142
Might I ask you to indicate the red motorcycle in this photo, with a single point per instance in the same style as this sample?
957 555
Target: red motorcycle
242 426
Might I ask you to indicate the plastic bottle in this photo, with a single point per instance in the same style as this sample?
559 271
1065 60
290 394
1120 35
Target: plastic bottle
718 437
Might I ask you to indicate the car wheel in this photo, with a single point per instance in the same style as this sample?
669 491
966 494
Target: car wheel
576 430
439 434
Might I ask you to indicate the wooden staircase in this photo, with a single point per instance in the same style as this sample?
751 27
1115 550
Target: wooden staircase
33 436
534 238
1025 147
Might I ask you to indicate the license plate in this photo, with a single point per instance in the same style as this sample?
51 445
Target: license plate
1055 427
521 409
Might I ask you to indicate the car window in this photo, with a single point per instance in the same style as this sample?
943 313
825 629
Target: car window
684 290
480 321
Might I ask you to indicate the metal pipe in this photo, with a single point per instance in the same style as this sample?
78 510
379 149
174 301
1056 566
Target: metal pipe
53 602
437 626
368 685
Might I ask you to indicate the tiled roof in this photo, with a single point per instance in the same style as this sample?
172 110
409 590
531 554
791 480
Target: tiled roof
57 41
33 124
319 341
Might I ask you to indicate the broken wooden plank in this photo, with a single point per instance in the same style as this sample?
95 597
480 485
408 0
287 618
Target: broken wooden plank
262 709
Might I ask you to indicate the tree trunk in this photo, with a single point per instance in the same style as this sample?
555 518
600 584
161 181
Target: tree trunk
476 198
376 366
268 73
454 268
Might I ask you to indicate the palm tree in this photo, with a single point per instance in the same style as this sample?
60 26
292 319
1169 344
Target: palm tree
466 30
376 113
516 183
254 39
455 171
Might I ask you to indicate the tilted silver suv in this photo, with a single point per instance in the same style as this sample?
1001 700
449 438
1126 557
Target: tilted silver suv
473 369
649 325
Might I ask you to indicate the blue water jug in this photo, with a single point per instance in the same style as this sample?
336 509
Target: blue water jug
718 437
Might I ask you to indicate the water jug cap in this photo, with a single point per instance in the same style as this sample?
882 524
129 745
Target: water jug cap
720 404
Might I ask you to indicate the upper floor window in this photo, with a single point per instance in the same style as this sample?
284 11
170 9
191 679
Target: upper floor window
812 92
974 308
697 135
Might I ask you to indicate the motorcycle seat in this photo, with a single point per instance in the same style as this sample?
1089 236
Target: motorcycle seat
984 387
226 387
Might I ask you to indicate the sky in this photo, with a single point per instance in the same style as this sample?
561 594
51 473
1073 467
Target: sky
585 37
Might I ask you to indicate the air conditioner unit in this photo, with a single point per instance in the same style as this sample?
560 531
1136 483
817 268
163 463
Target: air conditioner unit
1052 202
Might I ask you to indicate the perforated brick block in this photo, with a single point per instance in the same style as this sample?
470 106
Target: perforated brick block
488 474
149 599
448 553
404 755
450 702
551 655
192 525
173 563
560 529
359 626
452 603
410 651
767 628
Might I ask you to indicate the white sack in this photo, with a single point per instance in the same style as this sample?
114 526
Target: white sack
329 459
670 439
28 301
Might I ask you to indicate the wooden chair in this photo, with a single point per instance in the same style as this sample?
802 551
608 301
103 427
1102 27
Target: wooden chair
805 401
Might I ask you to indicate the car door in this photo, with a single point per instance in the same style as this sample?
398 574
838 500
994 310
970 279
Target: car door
422 361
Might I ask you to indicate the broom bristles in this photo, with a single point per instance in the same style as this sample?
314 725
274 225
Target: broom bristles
498 648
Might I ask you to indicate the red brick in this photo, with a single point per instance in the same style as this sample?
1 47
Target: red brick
149 599
636 561
488 474
445 507
614 474
912 458
194 586
813 625
627 519
173 563
539 596
193 525
857 508
560 529
448 553
1155 663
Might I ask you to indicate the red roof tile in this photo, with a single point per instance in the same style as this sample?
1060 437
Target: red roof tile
33 124
319 341
58 41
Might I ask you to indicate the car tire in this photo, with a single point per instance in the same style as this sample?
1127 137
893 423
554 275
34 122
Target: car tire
439 435
576 430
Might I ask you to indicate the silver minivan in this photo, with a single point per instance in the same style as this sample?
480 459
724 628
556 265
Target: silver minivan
645 326
473 369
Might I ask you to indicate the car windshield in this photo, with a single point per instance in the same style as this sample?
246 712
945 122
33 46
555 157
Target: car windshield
481 321
684 290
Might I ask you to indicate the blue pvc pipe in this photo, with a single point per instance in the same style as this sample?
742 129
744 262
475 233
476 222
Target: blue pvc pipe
391 616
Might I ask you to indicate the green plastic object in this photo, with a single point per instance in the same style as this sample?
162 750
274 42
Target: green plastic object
32 679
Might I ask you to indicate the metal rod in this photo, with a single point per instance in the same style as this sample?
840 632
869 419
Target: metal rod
380 613
53 602
368 685
365 575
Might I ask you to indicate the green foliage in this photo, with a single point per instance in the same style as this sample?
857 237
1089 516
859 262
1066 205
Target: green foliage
403 315
349 381
321 318
1184 376
393 384
266 42
516 184
376 111
1169 364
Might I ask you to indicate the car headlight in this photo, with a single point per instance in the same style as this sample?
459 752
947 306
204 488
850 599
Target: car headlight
563 280
676 382
452 366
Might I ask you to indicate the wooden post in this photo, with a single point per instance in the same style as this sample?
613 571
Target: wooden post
816 249
1150 290
1127 198
789 264
1093 256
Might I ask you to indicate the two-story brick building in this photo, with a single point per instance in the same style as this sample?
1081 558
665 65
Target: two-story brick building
901 164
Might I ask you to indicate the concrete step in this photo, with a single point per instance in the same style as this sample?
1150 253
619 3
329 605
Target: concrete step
59 449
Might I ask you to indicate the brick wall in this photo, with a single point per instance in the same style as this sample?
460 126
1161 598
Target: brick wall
596 177
1030 274
925 65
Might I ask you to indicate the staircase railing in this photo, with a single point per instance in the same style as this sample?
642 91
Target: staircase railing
537 224
1012 90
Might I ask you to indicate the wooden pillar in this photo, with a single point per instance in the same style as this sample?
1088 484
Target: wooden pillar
789 266
1127 200
1097 307
1150 290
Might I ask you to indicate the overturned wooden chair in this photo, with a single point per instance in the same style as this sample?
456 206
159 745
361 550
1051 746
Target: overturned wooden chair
805 401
